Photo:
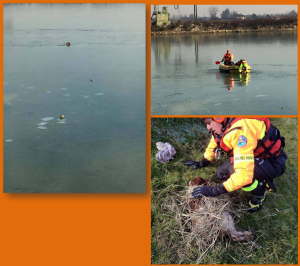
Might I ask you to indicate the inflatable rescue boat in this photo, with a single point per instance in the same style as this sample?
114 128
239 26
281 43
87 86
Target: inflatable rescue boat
239 67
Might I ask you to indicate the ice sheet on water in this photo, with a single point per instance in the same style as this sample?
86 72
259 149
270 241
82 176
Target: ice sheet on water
260 95
47 118
8 97
42 124
41 127
9 140
100 93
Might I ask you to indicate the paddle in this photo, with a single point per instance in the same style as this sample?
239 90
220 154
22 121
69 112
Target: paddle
217 62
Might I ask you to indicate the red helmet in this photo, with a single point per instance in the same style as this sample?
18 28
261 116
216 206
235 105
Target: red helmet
228 51
219 119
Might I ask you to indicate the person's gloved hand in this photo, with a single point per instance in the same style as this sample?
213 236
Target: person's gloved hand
195 165
222 60
209 191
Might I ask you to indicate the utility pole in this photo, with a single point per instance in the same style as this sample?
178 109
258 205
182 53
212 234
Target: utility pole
195 13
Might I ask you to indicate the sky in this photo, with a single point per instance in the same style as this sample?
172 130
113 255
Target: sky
243 9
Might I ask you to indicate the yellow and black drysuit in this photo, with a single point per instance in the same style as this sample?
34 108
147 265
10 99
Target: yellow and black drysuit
257 157
243 66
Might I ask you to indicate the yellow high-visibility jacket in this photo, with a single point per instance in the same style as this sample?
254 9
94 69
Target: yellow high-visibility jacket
243 64
243 142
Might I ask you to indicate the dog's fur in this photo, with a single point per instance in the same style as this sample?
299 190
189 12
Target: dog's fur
227 222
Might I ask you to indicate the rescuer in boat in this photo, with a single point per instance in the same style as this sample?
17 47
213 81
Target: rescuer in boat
257 157
227 58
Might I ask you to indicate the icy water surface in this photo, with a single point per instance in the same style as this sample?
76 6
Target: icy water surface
98 84
186 81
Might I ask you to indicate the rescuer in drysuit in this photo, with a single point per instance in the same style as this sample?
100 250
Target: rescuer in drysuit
242 65
227 58
257 157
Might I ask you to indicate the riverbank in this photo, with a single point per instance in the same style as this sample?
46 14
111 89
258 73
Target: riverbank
276 244
221 26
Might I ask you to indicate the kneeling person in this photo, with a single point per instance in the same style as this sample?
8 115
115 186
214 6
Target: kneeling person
257 157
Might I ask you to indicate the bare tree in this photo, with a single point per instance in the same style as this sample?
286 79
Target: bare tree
293 13
213 11
234 15
225 14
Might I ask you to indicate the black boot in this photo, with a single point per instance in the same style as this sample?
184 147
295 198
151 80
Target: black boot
271 186
256 202
258 197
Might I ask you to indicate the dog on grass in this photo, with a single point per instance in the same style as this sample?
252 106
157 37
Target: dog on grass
225 220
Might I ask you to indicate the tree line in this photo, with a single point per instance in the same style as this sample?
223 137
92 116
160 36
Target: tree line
230 15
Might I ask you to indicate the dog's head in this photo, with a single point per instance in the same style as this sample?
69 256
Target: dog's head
198 181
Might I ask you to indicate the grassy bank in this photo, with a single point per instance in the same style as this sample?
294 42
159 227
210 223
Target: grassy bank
215 26
275 226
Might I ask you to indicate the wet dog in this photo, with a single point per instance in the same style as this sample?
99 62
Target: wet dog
225 220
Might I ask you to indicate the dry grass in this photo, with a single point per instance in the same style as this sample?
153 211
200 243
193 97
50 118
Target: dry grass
202 227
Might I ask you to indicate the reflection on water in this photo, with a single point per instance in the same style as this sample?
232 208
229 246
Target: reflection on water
161 44
231 80
74 117
184 78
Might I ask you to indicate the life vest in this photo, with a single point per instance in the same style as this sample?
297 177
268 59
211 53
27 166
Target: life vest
227 57
267 147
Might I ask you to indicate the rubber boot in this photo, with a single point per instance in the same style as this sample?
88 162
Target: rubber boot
256 202
271 187
258 197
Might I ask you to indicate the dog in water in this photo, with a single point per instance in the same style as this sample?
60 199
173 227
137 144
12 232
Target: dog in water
225 220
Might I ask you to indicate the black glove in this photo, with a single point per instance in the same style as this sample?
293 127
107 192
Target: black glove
222 60
204 162
197 165
209 191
